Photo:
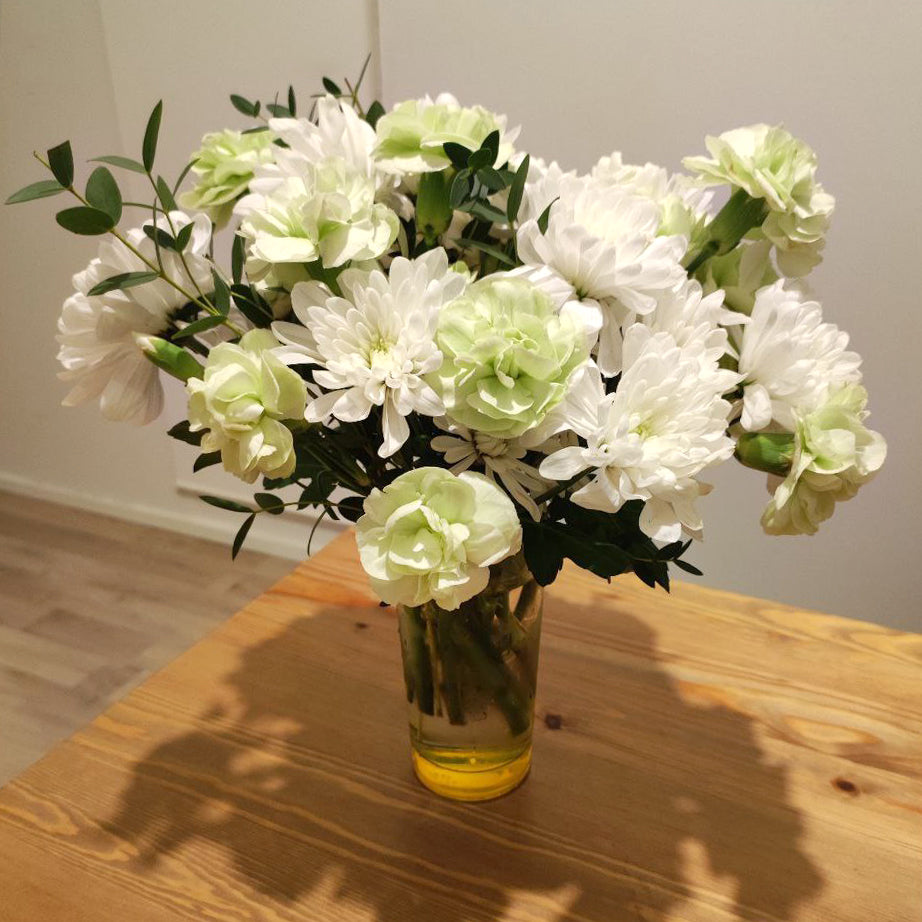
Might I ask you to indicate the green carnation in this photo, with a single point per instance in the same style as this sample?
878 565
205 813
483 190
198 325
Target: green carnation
507 356
411 135
224 165
245 393
431 535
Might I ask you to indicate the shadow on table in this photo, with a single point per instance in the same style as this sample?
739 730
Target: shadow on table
329 817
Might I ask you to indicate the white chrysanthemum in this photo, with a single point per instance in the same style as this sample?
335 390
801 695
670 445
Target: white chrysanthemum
501 459
602 243
650 439
689 316
374 344
97 333
769 163
834 454
789 358
411 136
327 212
683 204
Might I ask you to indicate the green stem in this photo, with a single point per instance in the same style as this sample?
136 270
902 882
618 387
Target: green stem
739 215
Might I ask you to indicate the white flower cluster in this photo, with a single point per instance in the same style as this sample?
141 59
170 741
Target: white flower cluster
603 337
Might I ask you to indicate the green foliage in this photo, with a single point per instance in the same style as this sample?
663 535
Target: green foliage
165 195
151 133
125 163
238 258
61 162
242 533
331 87
201 325
182 433
517 189
375 111
221 503
41 189
122 281
241 104
208 459
606 544
252 305
85 221
270 503
102 192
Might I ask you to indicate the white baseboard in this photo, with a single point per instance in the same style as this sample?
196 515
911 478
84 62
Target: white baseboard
270 541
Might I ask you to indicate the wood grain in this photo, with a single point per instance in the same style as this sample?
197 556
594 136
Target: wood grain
698 757
86 613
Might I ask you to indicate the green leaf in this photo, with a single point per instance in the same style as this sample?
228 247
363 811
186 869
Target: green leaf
242 533
86 221
278 111
485 211
517 189
458 154
41 189
199 326
221 293
460 188
480 158
238 257
61 161
292 106
375 111
545 217
270 503
491 178
687 567
151 133
165 195
183 236
208 459
183 175
122 281
125 163
221 503
491 144
241 104
182 433
159 236
331 87
488 248
102 192
252 306
352 508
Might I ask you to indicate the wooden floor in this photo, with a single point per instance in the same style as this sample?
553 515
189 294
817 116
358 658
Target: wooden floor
90 605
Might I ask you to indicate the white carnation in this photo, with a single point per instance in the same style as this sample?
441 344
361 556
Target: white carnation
650 439
789 358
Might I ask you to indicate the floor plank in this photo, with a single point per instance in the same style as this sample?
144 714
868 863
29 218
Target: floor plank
86 613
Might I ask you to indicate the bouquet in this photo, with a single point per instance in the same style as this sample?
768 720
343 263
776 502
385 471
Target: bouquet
486 361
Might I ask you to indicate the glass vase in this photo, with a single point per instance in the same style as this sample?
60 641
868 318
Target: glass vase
470 678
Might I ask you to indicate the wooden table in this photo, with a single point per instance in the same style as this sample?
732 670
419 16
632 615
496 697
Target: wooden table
699 757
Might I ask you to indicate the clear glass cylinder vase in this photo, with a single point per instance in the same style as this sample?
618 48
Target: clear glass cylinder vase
470 678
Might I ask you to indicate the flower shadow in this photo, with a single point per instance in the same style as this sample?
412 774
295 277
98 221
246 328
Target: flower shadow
298 775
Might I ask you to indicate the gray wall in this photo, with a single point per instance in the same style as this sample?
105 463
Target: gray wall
583 78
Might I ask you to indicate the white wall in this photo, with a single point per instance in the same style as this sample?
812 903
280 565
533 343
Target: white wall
583 78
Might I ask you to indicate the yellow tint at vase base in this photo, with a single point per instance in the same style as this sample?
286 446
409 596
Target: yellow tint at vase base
467 778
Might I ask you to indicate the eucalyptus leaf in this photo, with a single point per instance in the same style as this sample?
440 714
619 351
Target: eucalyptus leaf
88 222
331 87
159 236
517 189
241 535
270 503
184 235
125 163
489 248
221 503
238 257
151 133
545 217
458 154
165 195
241 104
61 161
375 111
41 189
221 293
122 281
199 326
102 192
182 433
292 106
209 459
